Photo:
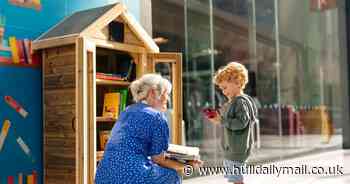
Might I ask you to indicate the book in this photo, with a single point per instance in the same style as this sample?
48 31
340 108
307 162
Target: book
20 51
35 58
5 60
124 97
107 76
104 136
128 74
111 105
10 180
20 178
182 153
25 52
27 47
30 179
14 49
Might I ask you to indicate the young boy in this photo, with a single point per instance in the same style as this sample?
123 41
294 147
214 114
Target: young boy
237 117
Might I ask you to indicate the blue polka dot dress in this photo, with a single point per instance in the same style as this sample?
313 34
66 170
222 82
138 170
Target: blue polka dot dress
139 133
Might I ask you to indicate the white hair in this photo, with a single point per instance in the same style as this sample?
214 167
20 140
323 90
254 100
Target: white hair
140 87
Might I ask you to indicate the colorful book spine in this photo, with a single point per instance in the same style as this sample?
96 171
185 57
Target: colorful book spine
30 179
36 2
14 49
27 47
10 180
20 178
25 55
5 59
1 33
107 76
5 53
20 51
35 177
124 98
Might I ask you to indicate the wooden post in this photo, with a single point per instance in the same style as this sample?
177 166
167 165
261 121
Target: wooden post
81 121
90 51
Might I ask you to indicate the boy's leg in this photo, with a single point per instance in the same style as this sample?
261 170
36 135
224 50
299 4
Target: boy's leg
234 174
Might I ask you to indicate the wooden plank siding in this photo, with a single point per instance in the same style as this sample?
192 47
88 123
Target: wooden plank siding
59 114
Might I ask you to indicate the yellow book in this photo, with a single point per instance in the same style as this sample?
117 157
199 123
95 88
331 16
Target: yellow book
30 179
14 49
111 105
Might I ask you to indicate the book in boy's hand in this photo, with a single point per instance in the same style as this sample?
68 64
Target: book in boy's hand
210 113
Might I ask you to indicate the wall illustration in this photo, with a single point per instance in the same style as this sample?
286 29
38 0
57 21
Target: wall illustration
36 4
21 122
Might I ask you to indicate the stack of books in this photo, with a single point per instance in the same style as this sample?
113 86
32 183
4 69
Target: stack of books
18 52
108 76
182 153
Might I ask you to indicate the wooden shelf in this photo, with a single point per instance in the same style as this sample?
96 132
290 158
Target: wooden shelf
105 119
99 155
112 82
21 65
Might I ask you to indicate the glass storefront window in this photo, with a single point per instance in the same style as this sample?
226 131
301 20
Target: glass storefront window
293 54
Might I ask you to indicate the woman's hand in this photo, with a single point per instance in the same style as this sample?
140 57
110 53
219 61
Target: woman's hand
195 163
165 162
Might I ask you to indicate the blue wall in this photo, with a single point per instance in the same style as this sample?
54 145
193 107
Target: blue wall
29 23
25 87
24 84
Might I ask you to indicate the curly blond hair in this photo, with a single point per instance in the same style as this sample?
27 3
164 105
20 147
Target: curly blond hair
233 71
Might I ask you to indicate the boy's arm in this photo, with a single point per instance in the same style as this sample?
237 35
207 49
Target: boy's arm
237 117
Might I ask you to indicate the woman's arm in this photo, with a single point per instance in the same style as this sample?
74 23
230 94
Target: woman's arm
165 162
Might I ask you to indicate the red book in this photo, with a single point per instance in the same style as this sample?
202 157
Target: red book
10 180
35 177
35 59
20 52
5 59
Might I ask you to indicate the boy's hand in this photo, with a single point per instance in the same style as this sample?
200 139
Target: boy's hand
215 120
212 115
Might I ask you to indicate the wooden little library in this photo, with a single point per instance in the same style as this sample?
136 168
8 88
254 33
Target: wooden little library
86 56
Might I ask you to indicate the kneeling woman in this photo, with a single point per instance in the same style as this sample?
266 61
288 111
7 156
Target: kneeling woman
135 152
